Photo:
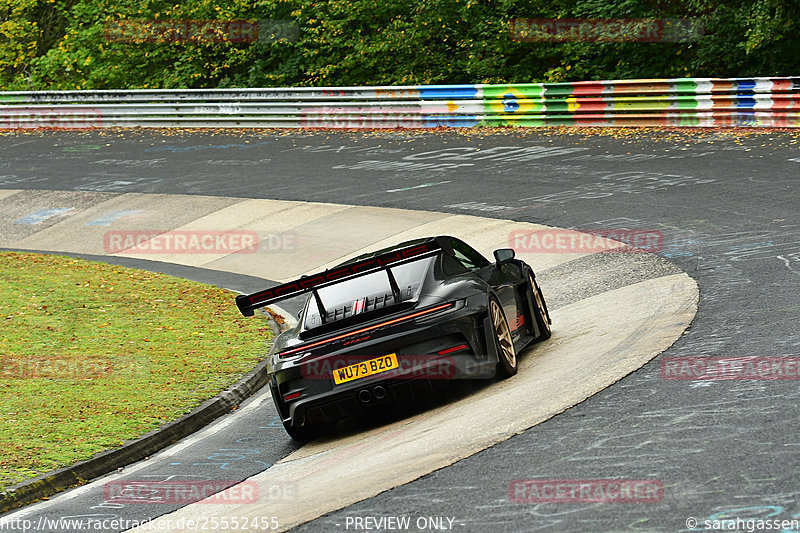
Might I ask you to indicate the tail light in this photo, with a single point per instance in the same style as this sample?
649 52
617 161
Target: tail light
404 318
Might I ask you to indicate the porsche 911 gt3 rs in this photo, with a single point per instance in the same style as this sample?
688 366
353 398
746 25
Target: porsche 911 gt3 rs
390 325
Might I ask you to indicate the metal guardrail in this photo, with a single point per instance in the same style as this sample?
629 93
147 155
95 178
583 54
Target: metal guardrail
706 102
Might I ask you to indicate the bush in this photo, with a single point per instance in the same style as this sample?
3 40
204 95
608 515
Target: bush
64 45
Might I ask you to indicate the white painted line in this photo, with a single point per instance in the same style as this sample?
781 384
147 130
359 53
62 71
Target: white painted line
419 186
589 351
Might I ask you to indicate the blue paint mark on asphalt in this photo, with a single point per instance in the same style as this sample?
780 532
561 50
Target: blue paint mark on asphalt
113 216
750 246
42 215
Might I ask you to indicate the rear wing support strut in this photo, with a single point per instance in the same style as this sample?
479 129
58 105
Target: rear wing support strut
393 284
323 314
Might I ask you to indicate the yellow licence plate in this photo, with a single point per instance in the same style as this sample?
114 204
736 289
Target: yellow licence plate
366 368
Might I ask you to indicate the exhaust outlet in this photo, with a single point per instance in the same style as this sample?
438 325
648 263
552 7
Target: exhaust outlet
379 392
364 396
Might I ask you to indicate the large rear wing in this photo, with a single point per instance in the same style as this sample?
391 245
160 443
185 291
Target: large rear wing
248 303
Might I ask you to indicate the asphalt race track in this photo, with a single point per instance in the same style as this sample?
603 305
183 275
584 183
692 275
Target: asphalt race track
647 301
727 206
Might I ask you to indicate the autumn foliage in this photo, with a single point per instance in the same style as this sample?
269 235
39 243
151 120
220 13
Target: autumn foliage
65 44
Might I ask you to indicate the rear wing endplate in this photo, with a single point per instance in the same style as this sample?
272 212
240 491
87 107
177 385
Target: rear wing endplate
248 303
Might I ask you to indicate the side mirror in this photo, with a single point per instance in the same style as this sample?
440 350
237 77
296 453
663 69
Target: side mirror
503 255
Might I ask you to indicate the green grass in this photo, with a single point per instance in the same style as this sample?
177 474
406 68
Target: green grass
93 354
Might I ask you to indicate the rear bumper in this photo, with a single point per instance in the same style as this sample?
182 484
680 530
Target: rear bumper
362 396
308 393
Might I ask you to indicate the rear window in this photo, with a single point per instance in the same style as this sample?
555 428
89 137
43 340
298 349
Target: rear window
367 293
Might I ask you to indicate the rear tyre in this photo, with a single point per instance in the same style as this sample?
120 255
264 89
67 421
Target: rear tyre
303 433
506 354
539 309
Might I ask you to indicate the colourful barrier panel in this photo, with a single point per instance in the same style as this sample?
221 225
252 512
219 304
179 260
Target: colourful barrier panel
636 102
701 102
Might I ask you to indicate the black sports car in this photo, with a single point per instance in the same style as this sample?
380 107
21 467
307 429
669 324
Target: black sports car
390 325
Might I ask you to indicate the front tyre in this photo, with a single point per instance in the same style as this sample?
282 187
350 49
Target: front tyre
506 354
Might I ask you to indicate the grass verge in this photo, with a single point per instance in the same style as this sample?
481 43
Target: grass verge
94 354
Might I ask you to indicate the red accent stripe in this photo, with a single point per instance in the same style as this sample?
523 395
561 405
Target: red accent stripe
453 349
291 396
363 330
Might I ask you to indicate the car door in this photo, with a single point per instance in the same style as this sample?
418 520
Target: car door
509 279
504 280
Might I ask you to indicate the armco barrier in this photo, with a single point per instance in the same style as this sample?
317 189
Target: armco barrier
706 102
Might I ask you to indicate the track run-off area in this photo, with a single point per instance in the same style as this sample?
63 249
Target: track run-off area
723 204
